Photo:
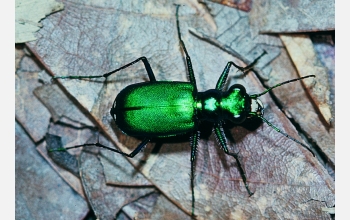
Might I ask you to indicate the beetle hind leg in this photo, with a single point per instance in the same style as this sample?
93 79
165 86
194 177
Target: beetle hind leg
194 143
131 155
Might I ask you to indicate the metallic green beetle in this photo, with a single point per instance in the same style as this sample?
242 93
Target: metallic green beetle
162 109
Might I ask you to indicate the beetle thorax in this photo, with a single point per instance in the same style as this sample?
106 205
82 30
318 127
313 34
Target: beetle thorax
215 106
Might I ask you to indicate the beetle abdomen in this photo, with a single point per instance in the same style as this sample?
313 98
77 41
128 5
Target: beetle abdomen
156 109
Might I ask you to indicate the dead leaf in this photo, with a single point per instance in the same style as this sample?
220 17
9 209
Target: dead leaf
30 113
59 104
19 54
72 180
164 209
143 207
298 106
236 36
70 134
153 206
64 159
40 192
244 5
106 201
300 49
293 16
118 171
324 47
28 15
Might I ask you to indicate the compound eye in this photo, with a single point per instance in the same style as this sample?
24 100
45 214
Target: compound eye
260 107
257 107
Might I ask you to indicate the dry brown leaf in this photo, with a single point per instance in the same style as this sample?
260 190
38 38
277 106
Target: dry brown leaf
19 54
106 201
29 111
34 196
143 207
293 16
118 171
71 134
236 36
244 5
153 206
301 50
70 178
62 109
59 104
28 15
164 209
40 192
298 106
324 46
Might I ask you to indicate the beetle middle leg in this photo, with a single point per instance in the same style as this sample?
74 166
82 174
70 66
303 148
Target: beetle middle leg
188 58
194 143
195 135
146 64
221 82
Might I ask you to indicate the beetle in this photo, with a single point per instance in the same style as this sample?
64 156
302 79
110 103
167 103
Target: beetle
160 109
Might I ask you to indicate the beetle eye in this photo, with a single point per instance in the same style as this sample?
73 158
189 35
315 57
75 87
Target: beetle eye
257 106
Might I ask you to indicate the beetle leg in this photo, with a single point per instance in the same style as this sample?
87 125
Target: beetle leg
139 148
188 58
220 135
145 62
222 80
131 155
143 59
250 66
194 143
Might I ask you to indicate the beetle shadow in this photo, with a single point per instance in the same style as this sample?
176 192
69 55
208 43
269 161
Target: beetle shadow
154 146
205 129
236 134
250 124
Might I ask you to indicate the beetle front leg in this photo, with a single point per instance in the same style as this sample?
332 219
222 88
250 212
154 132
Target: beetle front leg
241 170
220 135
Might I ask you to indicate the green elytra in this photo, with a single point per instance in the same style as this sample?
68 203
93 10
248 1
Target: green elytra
163 108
